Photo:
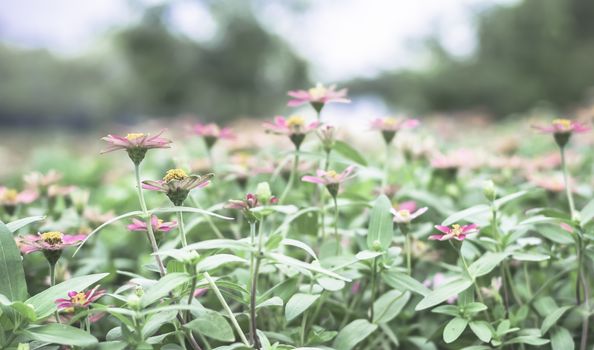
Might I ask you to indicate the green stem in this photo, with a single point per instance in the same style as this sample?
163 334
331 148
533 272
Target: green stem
227 308
149 226
207 218
254 270
291 177
407 247
476 286
373 288
386 169
182 229
52 273
586 317
336 226
567 186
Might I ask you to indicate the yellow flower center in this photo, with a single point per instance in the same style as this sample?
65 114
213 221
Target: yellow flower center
390 121
564 123
159 222
52 237
134 136
295 121
456 230
175 174
79 299
10 195
405 213
317 92
332 174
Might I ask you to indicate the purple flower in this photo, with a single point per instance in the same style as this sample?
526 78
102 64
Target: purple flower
136 144
50 244
455 231
176 184
250 202
157 224
295 127
318 96
390 126
331 179
79 300
212 133
562 130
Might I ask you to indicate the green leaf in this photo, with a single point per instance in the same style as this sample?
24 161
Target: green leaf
353 333
165 285
14 226
403 282
298 304
510 197
528 339
561 339
381 227
367 254
60 334
451 310
454 329
26 310
212 325
486 263
552 318
529 256
349 152
299 244
331 284
220 244
389 305
44 302
482 330
12 275
587 213
443 293
287 260
214 261
468 212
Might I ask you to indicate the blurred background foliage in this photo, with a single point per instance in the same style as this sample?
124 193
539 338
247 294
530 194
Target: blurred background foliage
534 52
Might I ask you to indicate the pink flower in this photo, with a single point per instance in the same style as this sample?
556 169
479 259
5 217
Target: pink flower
331 179
79 300
318 96
250 202
199 292
12 197
40 181
48 241
394 124
212 133
136 144
563 126
294 127
157 224
176 184
406 212
455 231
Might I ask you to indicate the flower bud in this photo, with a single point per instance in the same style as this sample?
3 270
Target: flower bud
263 192
489 190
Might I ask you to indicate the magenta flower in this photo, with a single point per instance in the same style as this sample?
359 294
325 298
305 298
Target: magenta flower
562 129
136 144
157 224
177 184
79 300
212 133
331 179
294 127
407 212
50 243
318 96
455 231
390 126
250 202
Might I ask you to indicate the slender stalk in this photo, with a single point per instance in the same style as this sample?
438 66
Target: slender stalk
373 288
407 246
336 226
254 270
386 169
182 229
207 218
476 286
567 186
149 226
327 163
586 317
291 177
227 308
52 273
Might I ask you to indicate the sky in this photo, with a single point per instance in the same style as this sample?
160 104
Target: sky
342 39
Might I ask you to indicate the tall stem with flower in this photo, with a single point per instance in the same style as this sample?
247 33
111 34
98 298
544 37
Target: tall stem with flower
318 96
404 214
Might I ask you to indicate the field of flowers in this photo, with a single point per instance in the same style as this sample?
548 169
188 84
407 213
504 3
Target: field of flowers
304 235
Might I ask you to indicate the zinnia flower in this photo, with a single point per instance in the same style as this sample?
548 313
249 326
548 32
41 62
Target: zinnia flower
318 96
327 135
40 182
176 184
407 212
250 202
455 231
50 243
390 126
212 133
562 129
136 144
10 198
157 224
294 127
331 179
79 300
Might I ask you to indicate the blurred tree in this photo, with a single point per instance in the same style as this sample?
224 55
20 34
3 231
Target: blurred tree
537 50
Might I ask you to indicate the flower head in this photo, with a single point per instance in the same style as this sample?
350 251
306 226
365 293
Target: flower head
136 144
10 198
157 224
327 135
79 300
176 184
250 202
295 127
318 96
331 179
562 129
40 182
407 212
390 126
50 243
212 133
455 231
